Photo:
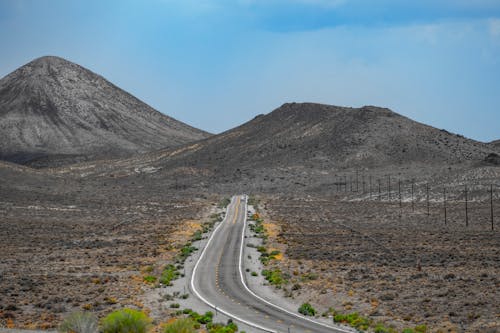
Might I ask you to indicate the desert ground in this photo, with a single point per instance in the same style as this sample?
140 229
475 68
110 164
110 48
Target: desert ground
391 263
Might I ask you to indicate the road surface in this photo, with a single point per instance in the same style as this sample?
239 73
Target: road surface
218 281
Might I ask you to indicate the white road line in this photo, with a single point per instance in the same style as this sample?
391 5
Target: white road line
266 301
195 291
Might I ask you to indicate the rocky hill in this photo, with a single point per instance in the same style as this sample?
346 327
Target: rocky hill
496 144
312 135
299 145
53 111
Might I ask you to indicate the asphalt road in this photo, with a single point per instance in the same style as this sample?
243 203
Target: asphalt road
217 281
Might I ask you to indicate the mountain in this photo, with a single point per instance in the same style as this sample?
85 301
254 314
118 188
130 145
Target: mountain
495 144
302 144
53 111
306 134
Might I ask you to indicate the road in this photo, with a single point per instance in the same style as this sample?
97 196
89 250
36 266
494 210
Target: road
218 281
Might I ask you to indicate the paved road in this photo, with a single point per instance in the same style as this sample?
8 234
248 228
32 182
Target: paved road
217 280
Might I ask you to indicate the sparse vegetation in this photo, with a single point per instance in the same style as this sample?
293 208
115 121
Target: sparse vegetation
307 310
224 203
150 279
181 325
79 322
169 274
275 277
125 321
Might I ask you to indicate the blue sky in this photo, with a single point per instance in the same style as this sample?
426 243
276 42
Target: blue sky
216 64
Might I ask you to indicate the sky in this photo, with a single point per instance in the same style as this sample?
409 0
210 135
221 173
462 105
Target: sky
216 64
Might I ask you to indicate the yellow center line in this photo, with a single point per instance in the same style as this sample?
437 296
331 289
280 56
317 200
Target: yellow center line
236 211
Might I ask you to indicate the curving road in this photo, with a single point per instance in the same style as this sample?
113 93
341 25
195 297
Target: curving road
218 281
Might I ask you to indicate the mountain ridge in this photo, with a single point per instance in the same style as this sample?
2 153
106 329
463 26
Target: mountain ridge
52 108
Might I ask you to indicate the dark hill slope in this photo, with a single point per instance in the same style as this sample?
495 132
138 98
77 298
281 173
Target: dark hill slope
314 135
52 109
496 144
300 145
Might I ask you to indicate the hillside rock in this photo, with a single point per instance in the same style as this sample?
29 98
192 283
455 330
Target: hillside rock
53 111
322 136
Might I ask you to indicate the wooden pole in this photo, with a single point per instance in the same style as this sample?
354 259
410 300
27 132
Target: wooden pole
399 190
428 205
370 186
444 203
412 203
379 191
491 206
389 187
357 184
466 208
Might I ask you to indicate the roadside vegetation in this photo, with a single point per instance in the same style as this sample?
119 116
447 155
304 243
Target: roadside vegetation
192 321
172 272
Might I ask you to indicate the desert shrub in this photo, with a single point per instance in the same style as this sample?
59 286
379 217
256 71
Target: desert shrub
420 328
274 253
186 251
254 274
224 203
197 235
125 321
182 325
150 279
307 310
230 327
175 306
274 276
79 322
202 319
380 328
169 274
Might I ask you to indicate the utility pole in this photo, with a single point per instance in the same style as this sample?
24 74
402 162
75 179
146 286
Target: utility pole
399 190
357 187
491 206
379 191
412 203
370 187
389 186
466 208
444 203
428 207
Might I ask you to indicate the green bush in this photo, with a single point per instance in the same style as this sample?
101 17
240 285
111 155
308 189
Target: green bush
197 235
125 321
307 310
169 274
175 306
420 328
79 322
275 277
380 328
221 328
408 330
202 319
150 279
182 325
224 203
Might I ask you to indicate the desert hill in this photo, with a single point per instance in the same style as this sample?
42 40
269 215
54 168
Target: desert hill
496 144
314 135
53 111
304 144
